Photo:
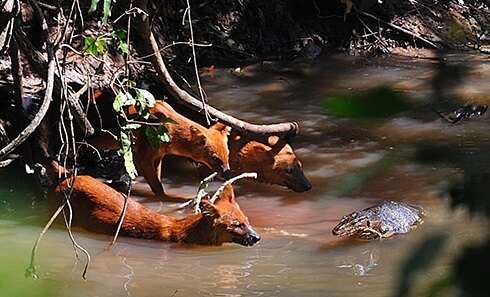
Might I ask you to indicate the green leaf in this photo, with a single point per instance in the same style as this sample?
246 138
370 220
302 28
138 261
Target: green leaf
119 34
118 103
133 126
144 95
379 102
121 100
93 6
163 135
157 135
101 46
96 47
164 120
152 137
129 83
420 259
89 45
129 164
107 10
127 154
124 142
144 101
123 47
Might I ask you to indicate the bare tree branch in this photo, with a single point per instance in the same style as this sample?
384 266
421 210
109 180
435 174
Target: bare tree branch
38 62
44 106
151 45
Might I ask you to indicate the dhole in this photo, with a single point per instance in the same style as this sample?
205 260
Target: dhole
97 208
274 162
272 158
187 139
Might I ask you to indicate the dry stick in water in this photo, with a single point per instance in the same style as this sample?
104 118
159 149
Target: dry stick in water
201 193
229 182
121 218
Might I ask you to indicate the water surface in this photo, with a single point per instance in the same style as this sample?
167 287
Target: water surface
298 255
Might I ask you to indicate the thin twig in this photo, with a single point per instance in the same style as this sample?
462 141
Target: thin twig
229 182
123 215
417 36
44 106
198 79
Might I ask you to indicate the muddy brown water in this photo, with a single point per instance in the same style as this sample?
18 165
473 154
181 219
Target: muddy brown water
297 255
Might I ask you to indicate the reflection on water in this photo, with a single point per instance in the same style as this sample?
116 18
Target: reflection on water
360 266
297 256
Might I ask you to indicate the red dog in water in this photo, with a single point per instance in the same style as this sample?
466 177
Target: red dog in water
97 208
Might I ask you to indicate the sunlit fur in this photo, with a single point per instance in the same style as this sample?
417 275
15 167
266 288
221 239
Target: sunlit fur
274 161
187 139
97 208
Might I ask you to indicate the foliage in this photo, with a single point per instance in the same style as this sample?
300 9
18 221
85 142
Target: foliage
94 46
120 37
353 182
379 102
421 258
97 46
12 282
142 101
106 8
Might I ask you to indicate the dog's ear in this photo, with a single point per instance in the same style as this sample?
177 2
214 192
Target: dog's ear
272 140
198 137
208 209
222 128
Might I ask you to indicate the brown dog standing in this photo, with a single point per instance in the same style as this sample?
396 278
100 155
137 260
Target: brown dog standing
187 139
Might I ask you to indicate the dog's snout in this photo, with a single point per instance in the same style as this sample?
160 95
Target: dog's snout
253 236
227 173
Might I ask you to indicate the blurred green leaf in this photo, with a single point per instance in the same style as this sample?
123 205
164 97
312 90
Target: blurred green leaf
119 101
145 100
119 34
89 45
12 280
353 182
122 99
156 135
93 6
127 154
107 10
472 268
129 164
119 37
379 102
123 47
101 45
440 286
125 142
420 259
